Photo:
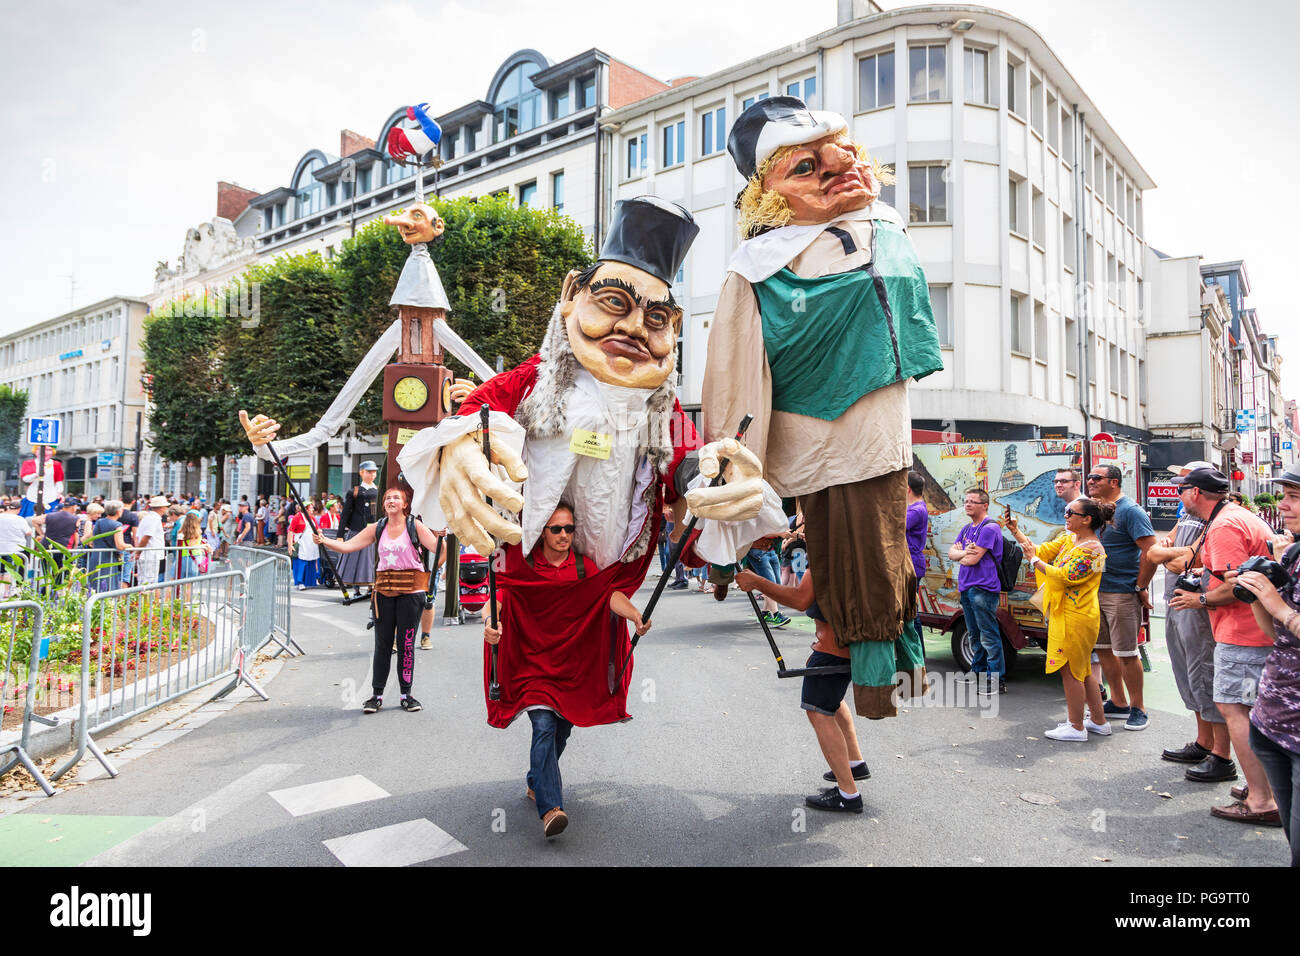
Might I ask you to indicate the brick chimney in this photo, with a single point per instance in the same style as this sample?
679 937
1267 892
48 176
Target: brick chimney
350 142
232 200
682 79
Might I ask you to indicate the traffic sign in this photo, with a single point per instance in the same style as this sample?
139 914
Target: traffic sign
44 431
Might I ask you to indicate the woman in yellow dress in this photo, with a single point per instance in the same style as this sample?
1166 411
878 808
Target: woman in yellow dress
1068 569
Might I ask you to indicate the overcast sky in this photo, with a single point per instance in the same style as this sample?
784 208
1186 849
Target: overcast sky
118 118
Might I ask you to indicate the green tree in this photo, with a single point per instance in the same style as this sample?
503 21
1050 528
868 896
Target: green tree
13 408
501 264
194 406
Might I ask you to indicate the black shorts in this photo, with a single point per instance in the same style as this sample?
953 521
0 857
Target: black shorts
823 694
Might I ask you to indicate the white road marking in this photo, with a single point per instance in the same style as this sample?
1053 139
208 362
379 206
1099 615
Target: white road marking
143 848
398 845
328 794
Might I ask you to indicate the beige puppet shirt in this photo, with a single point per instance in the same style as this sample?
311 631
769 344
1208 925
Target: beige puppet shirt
800 454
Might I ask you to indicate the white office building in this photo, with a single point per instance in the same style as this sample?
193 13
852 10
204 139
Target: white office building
1024 205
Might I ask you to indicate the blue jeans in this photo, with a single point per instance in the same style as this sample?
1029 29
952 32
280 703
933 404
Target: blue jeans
665 546
550 734
765 564
981 609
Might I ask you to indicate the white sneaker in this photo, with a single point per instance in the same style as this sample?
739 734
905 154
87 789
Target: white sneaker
1101 730
1066 732
302 587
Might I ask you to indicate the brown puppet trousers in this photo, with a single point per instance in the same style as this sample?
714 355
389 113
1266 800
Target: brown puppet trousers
865 583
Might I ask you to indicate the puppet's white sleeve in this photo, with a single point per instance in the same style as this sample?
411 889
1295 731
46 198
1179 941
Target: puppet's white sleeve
421 458
361 379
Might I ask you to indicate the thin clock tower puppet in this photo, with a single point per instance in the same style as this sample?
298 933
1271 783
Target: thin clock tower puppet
592 421
823 318
51 483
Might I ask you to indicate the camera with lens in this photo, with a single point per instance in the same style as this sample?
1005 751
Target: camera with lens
1189 581
1276 574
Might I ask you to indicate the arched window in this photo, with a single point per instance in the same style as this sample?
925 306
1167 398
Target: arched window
517 106
395 172
308 192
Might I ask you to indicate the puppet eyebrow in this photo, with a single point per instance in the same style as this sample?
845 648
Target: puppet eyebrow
668 303
615 283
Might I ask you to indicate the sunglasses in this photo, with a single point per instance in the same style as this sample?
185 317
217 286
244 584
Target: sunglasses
561 528
1077 514
1099 478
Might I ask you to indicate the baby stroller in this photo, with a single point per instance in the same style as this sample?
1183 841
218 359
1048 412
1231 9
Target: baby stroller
473 584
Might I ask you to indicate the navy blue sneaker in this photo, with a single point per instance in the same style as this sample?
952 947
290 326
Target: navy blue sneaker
1110 710
830 799
1137 719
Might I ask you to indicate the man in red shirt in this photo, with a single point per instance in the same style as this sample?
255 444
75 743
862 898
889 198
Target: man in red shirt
554 561
1232 535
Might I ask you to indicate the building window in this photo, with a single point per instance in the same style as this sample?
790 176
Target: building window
586 91
1109 184
471 138
447 146
1019 334
636 156
1072 346
1123 374
395 172
1040 218
1142 381
927 73
713 131
1067 242
1113 383
1053 123
1016 205
363 180
805 89
887 195
976 68
1036 111
1015 78
876 81
518 104
928 193
331 194
308 190
1040 332
528 193
1067 136
557 191
559 103
751 100
673 137
939 306
1111 272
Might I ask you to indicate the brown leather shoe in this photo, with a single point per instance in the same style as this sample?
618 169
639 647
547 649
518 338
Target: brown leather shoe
1243 814
556 820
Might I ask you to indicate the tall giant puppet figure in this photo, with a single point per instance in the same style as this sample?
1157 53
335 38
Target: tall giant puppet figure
822 319
592 420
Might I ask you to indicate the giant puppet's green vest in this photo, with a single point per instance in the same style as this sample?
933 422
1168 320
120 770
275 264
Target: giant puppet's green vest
833 339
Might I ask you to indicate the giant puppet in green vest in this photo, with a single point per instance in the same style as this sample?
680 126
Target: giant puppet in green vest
822 319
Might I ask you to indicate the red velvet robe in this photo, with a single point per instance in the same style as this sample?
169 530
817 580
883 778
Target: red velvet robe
561 646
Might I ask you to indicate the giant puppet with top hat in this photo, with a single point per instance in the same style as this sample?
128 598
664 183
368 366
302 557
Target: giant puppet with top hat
823 319
593 420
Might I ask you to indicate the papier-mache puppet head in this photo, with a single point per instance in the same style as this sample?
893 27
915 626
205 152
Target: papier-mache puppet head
618 318
801 166
420 223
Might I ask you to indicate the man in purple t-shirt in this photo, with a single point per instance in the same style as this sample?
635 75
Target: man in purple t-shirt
978 549
918 523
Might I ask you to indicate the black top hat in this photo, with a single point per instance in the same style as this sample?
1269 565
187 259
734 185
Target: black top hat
775 122
651 234
1207 479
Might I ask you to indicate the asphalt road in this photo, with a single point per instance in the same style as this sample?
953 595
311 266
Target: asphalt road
713 769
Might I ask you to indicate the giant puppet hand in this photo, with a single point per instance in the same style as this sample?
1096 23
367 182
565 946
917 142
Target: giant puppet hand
466 481
741 497
259 429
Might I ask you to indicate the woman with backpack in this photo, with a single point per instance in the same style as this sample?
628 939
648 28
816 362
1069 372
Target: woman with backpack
1068 569
400 582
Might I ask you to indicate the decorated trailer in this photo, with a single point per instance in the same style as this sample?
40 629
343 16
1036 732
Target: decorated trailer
1018 475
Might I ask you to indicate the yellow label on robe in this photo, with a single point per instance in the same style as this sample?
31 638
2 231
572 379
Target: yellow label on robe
591 444
404 435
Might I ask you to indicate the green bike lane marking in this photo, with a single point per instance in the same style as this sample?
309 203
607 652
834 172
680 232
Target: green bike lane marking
38 839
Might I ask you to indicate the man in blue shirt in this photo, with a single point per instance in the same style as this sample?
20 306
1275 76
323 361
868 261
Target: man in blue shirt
1123 595
978 550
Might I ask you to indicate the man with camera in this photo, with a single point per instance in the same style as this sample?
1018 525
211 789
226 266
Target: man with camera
1191 641
1232 536
1275 718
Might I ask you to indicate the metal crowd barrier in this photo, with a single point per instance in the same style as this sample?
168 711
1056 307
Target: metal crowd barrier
13 613
145 646
245 559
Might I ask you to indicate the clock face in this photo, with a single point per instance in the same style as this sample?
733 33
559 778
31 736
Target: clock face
410 393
